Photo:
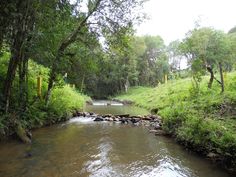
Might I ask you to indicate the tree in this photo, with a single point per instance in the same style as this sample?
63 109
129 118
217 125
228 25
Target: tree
102 16
232 30
21 14
151 55
232 38
175 56
116 69
211 48
54 32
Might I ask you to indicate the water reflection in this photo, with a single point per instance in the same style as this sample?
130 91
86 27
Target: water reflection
84 148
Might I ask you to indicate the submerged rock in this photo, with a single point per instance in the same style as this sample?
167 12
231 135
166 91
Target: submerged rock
157 127
134 120
116 119
98 119
91 113
147 118
108 119
124 120
27 155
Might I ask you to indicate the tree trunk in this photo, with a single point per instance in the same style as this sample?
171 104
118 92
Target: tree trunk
221 78
9 80
212 77
16 55
51 81
65 43
23 83
127 85
209 69
21 29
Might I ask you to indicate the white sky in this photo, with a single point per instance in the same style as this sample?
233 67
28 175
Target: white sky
171 19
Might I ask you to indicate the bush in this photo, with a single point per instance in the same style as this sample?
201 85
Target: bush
64 100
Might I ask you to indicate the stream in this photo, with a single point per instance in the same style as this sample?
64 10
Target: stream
82 147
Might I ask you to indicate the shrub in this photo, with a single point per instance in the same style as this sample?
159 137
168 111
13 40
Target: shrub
64 100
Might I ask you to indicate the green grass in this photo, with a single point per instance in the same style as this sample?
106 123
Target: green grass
204 119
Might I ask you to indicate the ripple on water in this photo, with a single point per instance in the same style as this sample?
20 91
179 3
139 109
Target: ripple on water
100 164
165 167
81 120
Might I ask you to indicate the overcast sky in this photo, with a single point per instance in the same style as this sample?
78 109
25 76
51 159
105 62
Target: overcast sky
171 19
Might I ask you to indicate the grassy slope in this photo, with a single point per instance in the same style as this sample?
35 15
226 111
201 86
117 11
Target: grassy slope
205 121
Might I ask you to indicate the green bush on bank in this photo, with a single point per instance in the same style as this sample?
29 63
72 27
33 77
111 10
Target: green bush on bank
204 119
64 100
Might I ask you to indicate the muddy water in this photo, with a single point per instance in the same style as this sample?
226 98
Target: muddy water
81 147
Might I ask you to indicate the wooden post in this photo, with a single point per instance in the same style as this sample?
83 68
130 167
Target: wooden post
166 78
39 86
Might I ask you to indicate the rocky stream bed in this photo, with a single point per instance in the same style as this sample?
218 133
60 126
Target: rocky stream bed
152 122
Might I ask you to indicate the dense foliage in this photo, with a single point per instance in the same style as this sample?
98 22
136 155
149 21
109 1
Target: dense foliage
65 100
60 42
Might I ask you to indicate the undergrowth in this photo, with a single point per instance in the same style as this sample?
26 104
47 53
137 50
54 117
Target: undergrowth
64 100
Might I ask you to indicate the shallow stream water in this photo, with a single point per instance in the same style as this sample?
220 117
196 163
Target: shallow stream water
82 147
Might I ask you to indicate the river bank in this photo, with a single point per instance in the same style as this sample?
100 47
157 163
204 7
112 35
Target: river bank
202 121
64 102
33 111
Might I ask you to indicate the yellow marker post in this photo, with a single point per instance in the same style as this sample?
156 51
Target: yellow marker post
166 78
